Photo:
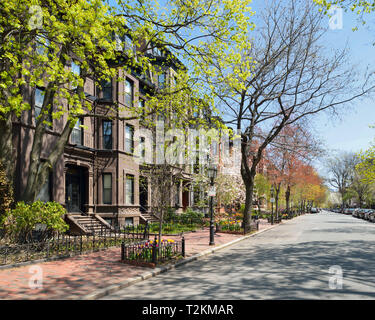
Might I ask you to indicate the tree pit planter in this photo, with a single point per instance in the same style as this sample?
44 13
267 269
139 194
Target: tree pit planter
139 263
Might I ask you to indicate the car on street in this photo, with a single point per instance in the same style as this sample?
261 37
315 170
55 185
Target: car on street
368 213
362 213
372 217
314 210
355 212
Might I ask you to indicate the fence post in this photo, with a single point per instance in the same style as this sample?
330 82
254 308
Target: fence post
58 242
80 244
122 251
154 251
93 242
183 246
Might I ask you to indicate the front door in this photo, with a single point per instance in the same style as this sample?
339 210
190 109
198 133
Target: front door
74 190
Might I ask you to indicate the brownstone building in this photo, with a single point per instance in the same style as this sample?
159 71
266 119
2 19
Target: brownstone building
98 175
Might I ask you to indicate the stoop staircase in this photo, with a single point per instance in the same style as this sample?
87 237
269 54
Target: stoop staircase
87 224
149 217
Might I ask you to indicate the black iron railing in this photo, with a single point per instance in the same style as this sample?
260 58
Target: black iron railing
60 245
153 251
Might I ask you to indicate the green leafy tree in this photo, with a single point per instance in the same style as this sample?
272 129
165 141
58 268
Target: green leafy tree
366 165
291 80
44 42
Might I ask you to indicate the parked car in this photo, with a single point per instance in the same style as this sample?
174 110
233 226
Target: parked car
367 214
372 217
314 210
355 212
362 212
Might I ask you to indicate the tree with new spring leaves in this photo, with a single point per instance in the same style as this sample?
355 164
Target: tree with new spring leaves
358 6
366 165
283 78
287 151
59 46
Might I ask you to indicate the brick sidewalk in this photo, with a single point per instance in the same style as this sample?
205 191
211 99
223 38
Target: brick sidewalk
73 277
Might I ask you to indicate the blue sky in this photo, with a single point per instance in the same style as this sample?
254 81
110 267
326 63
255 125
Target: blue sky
351 132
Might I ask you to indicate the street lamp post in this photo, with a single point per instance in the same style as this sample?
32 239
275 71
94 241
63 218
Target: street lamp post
272 200
212 171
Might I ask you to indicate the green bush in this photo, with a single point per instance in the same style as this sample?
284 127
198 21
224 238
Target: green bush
170 214
191 214
21 221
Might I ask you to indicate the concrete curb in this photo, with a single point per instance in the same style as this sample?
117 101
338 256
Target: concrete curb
116 287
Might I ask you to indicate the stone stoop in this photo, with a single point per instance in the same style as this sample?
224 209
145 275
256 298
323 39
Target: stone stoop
148 217
87 224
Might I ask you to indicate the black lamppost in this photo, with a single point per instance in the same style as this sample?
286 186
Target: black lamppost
212 171
272 200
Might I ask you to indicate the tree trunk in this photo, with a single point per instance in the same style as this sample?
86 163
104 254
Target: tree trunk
161 218
7 153
287 198
249 185
277 189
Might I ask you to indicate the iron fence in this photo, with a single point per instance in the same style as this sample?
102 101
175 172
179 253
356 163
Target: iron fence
61 245
153 251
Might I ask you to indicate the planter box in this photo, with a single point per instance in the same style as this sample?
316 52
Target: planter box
139 263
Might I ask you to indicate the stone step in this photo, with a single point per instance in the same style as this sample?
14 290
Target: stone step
90 223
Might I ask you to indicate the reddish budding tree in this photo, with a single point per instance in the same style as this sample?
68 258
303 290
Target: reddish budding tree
285 157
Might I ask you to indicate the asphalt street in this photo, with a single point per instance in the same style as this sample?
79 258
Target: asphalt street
314 256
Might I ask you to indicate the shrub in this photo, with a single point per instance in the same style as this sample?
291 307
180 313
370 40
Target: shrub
191 214
20 222
170 214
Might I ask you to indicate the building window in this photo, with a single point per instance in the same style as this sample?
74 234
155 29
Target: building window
106 90
107 134
76 69
129 91
129 139
142 147
129 192
107 188
77 133
129 221
142 106
38 104
161 80
45 194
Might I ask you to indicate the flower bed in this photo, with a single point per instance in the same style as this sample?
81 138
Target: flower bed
152 252
230 225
